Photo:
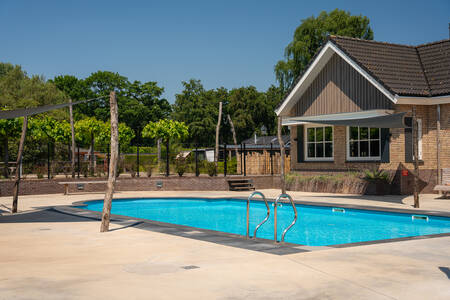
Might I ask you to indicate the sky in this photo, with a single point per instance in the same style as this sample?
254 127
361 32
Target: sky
222 43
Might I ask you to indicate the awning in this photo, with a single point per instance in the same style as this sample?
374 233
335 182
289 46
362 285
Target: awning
369 118
11 114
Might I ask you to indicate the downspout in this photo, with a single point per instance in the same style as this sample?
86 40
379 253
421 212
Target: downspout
438 143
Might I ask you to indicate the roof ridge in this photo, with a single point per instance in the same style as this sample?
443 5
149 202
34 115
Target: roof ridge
423 71
371 41
433 43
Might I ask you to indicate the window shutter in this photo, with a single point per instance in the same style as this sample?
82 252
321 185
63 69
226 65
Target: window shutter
408 141
385 139
300 147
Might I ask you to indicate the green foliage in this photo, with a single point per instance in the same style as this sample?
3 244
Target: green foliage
10 128
90 130
180 166
311 34
47 129
376 175
165 130
211 168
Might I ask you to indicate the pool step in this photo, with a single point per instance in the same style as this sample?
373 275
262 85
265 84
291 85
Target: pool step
240 184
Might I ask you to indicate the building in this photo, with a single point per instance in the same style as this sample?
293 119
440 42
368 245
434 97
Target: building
351 109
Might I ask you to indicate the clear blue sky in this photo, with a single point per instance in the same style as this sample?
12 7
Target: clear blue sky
223 43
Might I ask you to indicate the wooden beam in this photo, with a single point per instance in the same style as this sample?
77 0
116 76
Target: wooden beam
107 203
280 141
416 158
438 145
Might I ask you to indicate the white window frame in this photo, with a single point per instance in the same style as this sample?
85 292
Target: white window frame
305 143
368 158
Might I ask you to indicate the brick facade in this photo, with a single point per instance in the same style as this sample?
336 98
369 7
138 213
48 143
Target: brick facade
173 183
427 166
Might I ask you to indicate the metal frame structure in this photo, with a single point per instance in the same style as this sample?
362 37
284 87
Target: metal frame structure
248 213
285 196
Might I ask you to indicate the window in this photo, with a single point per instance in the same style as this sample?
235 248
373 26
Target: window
363 143
319 143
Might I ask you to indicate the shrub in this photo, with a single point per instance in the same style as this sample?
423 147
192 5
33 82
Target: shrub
211 168
376 175
180 166
149 170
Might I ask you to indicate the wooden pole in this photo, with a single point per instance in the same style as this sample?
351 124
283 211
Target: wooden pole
72 129
416 158
107 203
234 135
219 118
18 164
280 141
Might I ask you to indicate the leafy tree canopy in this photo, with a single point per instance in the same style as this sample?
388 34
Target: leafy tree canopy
166 130
311 34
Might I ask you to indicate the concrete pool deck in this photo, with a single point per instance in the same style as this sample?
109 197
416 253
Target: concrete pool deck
48 255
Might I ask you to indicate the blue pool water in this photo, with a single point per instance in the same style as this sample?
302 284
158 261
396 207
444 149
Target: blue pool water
316 225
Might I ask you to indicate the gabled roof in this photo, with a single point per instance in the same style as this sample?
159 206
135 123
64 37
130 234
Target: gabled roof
396 70
404 70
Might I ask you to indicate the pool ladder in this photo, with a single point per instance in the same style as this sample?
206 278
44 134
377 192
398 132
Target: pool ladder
281 196
248 213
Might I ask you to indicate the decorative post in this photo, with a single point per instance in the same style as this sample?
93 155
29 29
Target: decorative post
245 164
72 130
216 152
107 203
137 157
48 160
280 141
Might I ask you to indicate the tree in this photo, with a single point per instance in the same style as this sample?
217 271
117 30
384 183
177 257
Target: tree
126 134
197 108
166 130
310 36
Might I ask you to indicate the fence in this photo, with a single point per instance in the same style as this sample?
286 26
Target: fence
181 159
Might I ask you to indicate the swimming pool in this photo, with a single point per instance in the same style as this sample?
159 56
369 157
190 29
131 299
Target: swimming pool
316 225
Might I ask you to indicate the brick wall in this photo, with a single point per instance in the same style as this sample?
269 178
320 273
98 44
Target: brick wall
175 183
427 167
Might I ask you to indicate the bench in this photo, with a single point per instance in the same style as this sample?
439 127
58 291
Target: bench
445 186
241 185
66 184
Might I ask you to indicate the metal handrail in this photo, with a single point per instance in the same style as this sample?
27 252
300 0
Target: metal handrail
248 213
275 216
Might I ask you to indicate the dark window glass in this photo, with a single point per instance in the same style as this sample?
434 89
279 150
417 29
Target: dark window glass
319 134
329 134
374 133
328 150
354 149
363 133
311 134
319 150
354 133
364 149
374 148
311 150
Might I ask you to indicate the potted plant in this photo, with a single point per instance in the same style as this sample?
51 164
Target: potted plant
377 182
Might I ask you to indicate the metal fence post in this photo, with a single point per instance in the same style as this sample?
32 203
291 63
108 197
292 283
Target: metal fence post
245 165
167 158
196 162
48 160
225 160
137 158
241 161
78 162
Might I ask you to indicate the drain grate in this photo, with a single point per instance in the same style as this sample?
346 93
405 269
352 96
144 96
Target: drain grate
44 229
190 267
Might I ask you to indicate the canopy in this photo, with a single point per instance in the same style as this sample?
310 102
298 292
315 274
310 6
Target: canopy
369 118
11 114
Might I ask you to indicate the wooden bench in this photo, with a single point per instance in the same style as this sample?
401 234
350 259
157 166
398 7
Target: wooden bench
66 184
445 186
241 185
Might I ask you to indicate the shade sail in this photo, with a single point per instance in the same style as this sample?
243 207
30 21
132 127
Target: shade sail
370 118
11 114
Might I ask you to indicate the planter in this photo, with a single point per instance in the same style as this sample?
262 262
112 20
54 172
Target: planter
377 187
